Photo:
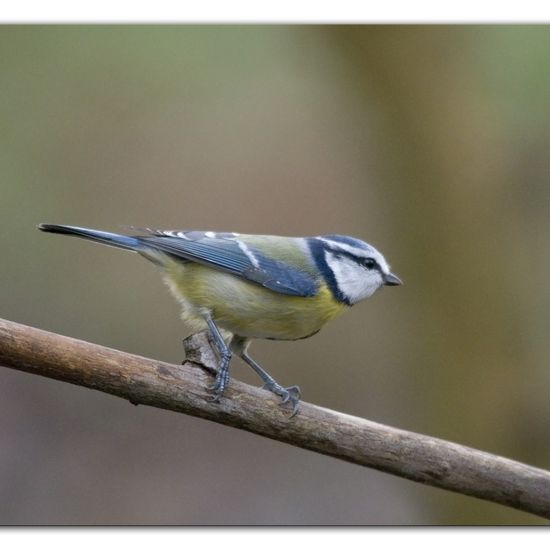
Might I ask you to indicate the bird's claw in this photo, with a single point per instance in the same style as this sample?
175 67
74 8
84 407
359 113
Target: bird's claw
292 393
218 386
214 387
288 395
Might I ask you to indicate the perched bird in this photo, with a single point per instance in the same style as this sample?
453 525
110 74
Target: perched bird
242 287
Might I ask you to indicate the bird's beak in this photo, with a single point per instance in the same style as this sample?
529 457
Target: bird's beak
392 280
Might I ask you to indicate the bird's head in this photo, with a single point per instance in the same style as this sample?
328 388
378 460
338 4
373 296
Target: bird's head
353 269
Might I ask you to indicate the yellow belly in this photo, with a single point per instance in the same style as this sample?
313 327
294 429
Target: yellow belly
247 309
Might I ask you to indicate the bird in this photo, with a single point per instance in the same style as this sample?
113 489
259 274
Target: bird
244 287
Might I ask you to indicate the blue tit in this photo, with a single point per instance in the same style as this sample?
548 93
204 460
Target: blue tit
242 287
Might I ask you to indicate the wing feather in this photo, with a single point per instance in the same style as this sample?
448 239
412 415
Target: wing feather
224 251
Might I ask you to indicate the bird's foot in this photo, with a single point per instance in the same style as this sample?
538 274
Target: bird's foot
288 395
219 385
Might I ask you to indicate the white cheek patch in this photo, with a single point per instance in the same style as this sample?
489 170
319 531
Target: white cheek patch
353 280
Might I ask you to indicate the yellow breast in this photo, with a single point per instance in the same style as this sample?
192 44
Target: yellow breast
247 309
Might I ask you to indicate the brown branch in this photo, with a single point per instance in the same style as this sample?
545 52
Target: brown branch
182 388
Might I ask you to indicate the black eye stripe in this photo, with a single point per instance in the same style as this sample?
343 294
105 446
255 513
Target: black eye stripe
369 263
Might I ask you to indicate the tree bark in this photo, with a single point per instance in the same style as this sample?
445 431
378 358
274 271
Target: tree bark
183 388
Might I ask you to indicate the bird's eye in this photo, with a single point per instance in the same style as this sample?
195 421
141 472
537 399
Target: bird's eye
369 263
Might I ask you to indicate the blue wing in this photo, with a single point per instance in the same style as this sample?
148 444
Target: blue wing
224 251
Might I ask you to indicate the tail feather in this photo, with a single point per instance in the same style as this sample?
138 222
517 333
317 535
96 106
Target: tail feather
111 239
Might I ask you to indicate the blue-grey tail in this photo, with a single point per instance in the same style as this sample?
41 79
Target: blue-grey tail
111 239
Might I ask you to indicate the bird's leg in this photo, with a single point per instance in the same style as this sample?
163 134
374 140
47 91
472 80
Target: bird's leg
222 377
288 395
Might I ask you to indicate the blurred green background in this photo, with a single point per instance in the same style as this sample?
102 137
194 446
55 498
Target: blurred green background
430 142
